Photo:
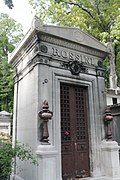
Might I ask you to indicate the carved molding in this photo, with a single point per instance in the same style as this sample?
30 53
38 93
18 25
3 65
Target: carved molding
100 64
32 43
78 36
70 45
37 59
100 71
25 51
43 49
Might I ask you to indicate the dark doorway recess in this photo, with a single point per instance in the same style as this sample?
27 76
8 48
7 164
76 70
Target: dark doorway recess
74 131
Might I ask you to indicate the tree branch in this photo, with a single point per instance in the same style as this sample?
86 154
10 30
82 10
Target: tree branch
76 4
81 7
101 23
98 10
97 4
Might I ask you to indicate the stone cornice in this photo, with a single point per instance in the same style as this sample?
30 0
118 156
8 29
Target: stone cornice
71 45
26 49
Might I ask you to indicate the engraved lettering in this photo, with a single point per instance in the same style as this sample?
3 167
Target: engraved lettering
87 60
91 61
77 57
64 54
71 56
56 52
80 58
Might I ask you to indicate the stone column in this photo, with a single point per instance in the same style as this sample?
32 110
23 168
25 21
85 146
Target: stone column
110 159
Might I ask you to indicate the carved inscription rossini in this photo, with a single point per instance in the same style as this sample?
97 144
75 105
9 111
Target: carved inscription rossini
60 53
75 61
73 56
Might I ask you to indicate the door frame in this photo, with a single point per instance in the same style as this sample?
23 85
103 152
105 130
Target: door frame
93 118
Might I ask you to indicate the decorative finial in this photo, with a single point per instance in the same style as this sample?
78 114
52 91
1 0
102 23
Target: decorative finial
107 120
45 114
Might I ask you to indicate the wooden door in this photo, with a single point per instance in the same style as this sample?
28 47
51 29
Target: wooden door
74 132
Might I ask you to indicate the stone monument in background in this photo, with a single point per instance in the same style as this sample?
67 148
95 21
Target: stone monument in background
113 92
5 122
113 76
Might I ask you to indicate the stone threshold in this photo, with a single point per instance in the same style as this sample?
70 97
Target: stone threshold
96 178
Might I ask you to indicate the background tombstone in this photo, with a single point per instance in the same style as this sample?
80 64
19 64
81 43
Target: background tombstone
59 75
5 122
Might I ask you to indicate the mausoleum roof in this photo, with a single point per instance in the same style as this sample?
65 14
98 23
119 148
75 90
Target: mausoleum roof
70 34
75 35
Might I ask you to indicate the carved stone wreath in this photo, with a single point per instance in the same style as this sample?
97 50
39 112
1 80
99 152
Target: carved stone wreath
75 67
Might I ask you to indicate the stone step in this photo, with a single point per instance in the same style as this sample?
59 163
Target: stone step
92 178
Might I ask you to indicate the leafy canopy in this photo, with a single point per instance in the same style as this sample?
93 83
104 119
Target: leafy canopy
10 35
97 17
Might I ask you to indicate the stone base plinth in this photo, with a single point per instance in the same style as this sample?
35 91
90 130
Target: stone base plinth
110 160
47 157
15 177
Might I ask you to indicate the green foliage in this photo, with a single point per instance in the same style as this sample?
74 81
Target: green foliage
117 51
96 17
115 31
10 35
8 153
6 86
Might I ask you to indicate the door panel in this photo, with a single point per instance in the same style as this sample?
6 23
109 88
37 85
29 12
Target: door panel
74 131
66 133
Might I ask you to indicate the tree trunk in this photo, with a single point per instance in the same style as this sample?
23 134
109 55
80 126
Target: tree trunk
7 104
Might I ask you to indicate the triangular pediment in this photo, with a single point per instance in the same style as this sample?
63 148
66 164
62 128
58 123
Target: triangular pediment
75 35
69 33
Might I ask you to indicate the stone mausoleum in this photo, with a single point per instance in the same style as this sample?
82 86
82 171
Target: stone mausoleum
59 105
